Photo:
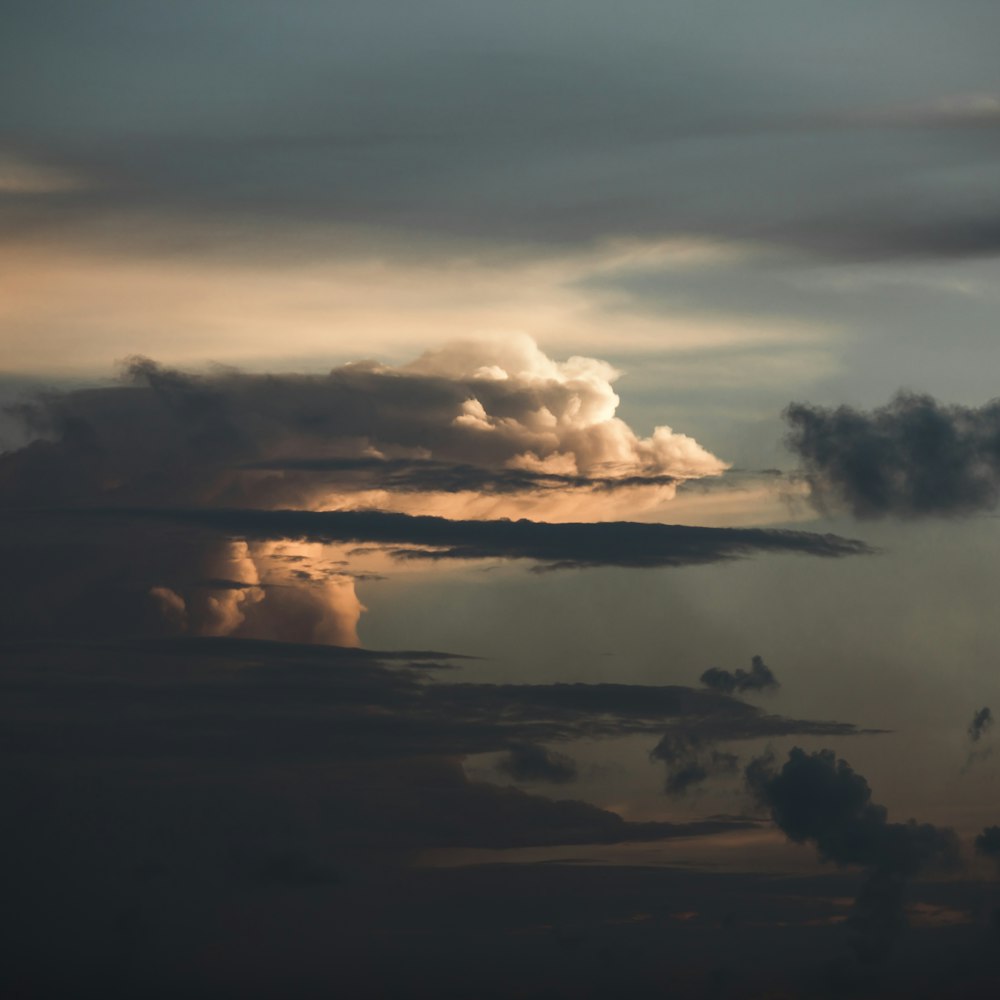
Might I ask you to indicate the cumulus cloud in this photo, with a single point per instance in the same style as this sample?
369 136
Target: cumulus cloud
171 605
816 798
500 406
758 678
915 457
488 428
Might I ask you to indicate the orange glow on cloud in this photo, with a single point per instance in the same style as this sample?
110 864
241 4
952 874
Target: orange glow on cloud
82 303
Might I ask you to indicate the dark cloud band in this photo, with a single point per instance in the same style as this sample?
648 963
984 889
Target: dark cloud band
609 543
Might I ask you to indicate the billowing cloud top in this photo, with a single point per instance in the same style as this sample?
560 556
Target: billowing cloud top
500 406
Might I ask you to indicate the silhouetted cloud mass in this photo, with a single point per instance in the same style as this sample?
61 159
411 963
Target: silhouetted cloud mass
758 678
373 734
915 457
816 798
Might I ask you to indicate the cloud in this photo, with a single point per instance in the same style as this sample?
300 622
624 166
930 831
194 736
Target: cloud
979 729
914 457
150 781
555 546
295 701
498 410
691 761
414 475
528 762
952 111
691 755
816 798
758 678
373 734
489 427
982 722
21 175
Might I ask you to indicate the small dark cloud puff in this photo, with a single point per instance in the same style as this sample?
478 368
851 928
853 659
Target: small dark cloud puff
758 678
691 759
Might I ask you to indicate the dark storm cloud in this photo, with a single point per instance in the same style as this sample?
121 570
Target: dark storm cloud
528 762
758 678
914 457
816 798
555 546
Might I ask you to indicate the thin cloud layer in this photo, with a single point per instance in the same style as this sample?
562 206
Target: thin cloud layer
554 546
491 428
978 731
718 137
915 457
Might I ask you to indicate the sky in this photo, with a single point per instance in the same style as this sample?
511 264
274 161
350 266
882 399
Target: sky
500 498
